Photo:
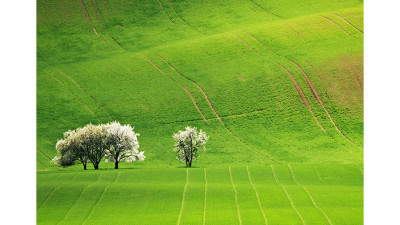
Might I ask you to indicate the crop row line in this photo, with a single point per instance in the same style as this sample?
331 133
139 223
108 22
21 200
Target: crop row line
309 195
288 196
83 190
101 196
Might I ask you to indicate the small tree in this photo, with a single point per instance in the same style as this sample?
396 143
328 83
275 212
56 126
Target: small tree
187 143
123 144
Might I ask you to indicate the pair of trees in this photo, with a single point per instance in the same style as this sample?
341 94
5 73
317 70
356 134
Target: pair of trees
91 143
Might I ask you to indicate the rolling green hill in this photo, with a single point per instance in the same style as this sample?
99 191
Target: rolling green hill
271 82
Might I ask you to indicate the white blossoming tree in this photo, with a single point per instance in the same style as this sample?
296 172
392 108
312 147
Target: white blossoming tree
123 144
73 147
92 142
188 142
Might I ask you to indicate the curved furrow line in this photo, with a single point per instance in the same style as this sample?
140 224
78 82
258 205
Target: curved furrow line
315 94
51 192
319 78
101 196
265 9
302 96
90 22
41 163
362 172
183 196
251 48
83 190
176 12
166 14
309 195
288 196
102 25
247 6
197 85
258 199
79 100
98 103
236 200
187 91
292 28
337 25
354 18
37 148
252 36
347 22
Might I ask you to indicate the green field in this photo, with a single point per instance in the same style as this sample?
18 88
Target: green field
275 84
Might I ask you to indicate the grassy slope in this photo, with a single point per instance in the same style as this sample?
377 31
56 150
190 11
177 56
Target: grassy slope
319 193
231 51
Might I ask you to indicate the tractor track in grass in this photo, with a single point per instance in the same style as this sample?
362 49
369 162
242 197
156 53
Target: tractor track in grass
300 92
247 6
315 71
51 192
101 196
236 200
83 190
205 196
315 94
197 85
297 87
98 103
183 196
176 12
309 195
240 39
258 199
288 196
90 22
337 25
41 163
169 18
187 91
43 153
362 172
102 25
347 22
205 96
73 94
266 10
302 96
292 28
354 18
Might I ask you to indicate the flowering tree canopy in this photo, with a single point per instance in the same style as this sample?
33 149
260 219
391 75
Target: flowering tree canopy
188 142
93 142
123 144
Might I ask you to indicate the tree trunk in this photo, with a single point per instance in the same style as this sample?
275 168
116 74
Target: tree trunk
84 166
190 164
96 166
116 165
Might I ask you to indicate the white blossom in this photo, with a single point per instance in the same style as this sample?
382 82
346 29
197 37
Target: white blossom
187 143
